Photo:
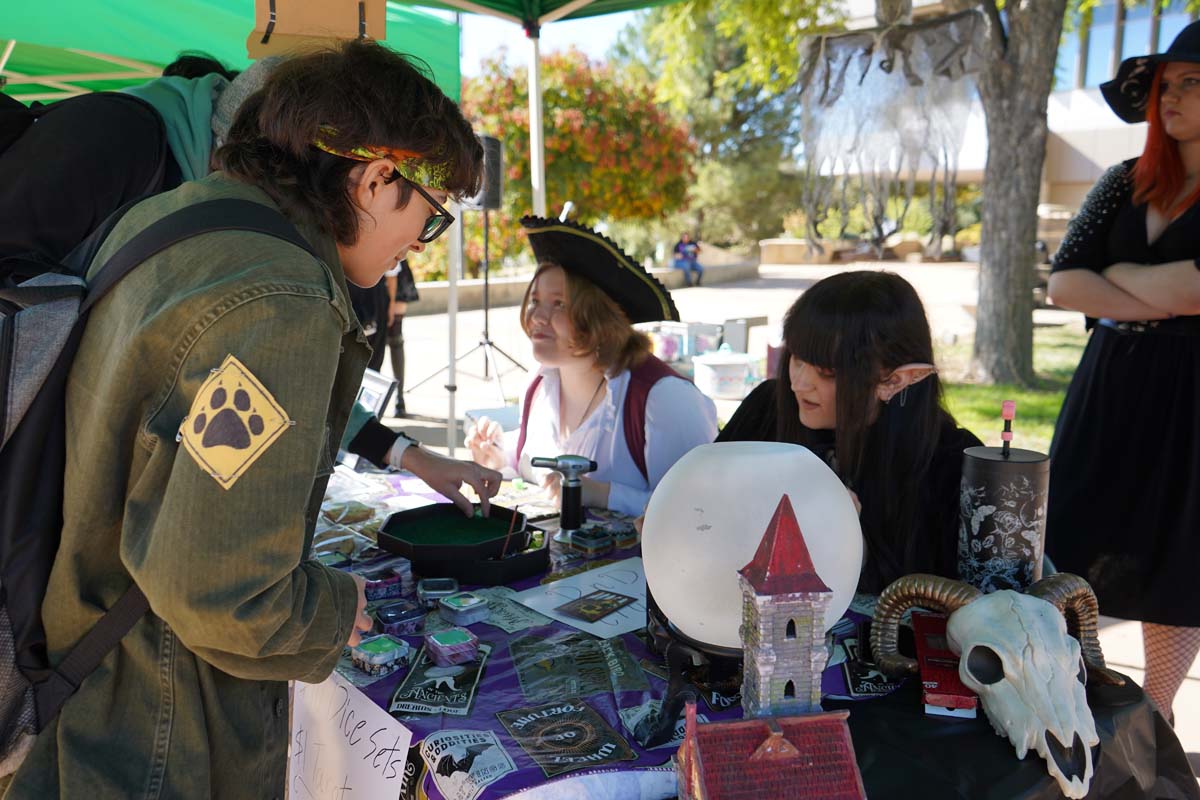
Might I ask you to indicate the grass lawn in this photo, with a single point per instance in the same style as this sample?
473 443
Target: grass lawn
1056 351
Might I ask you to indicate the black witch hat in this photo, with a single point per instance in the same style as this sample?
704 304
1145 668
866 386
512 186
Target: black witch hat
593 256
1128 93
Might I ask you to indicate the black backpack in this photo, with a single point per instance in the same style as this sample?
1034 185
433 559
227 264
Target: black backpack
41 322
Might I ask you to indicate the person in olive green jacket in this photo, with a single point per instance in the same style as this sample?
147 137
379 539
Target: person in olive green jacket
205 408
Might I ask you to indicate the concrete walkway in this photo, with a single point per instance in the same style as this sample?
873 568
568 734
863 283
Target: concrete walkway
949 292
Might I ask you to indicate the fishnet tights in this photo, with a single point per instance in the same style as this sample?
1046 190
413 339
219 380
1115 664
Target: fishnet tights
1170 651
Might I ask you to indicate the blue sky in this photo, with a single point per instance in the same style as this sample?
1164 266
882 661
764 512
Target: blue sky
483 36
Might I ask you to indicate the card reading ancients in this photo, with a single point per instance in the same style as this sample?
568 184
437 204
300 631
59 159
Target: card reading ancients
595 606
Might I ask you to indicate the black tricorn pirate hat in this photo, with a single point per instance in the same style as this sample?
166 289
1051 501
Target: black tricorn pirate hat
597 258
1128 93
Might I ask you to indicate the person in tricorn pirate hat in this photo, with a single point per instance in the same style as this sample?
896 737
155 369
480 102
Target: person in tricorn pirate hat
599 392
1124 502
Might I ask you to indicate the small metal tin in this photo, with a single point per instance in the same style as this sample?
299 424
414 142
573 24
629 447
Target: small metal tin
464 608
432 590
592 541
335 559
623 533
380 655
387 579
401 618
452 646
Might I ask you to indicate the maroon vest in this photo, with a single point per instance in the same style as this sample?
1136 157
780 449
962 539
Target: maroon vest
641 380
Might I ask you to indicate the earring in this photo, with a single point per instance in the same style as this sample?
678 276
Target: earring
903 396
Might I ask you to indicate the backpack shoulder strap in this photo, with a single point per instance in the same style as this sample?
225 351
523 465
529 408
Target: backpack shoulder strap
641 380
86 655
533 385
207 217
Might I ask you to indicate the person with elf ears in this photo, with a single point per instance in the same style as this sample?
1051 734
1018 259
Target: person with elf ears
598 393
1124 506
858 387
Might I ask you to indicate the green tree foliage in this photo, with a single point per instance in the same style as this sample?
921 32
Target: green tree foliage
743 130
611 149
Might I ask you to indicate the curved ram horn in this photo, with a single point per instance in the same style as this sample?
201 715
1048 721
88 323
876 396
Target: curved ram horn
927 591
1074 598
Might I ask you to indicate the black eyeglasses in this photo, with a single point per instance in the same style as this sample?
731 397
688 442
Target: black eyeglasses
438 221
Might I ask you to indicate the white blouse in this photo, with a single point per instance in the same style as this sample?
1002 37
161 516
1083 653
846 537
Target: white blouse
678 418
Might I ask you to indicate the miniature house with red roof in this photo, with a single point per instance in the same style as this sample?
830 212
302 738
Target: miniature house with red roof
800 758
783 622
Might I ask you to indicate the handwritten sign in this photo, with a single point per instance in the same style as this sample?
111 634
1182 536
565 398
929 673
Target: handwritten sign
343 746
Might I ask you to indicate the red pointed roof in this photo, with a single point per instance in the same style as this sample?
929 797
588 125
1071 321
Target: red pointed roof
810 757
782 564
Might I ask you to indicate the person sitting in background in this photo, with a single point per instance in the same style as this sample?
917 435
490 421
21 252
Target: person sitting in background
599 392
859 389
686 255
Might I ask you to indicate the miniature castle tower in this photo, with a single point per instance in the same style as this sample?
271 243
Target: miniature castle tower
783 623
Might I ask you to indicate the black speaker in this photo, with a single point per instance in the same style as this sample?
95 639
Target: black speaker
490 195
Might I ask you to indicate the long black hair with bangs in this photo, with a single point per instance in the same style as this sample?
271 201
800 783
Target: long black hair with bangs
862 325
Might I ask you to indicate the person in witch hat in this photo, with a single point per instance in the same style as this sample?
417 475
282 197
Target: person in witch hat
599 393
1124 502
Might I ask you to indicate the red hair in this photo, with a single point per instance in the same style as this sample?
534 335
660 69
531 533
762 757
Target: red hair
1158 176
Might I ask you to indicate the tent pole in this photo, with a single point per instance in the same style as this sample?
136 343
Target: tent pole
8 48
454 269
537 144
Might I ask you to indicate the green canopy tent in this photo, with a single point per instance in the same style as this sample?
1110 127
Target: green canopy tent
58 48
532 15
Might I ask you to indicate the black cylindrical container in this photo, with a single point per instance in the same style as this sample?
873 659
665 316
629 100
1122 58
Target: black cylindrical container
572 506
1002 529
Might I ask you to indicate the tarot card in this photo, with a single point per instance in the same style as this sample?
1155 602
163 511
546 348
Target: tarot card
566 735
595 606
430 689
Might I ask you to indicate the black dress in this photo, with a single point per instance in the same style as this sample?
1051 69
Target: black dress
1124 508
754 421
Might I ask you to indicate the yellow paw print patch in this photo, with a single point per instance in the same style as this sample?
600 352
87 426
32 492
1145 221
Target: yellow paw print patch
233 420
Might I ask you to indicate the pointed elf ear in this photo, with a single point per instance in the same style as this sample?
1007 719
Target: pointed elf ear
901 378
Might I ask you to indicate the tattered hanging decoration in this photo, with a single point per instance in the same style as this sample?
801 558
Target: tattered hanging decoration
877 109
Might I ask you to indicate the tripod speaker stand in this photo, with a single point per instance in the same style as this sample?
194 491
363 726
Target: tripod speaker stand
489 198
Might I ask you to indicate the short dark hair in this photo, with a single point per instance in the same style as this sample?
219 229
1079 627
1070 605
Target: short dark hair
369 95
197 64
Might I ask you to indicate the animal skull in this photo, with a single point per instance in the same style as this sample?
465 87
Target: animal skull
1017 653
1017 656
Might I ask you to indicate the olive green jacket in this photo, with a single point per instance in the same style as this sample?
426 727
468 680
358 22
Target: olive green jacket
193 702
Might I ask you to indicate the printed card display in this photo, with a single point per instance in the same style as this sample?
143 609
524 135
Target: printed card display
569 664
464 763
343 745
595 606
565 736
507 614
625 578
430 689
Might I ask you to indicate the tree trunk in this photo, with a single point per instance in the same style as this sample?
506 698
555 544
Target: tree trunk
1014 88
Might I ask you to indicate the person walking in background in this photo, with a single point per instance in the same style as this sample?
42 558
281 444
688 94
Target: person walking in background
402 290
1124 507
687 254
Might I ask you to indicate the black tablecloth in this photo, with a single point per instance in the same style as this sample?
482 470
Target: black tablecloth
904 754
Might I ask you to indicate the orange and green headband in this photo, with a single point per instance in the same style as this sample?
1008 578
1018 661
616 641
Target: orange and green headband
413 166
